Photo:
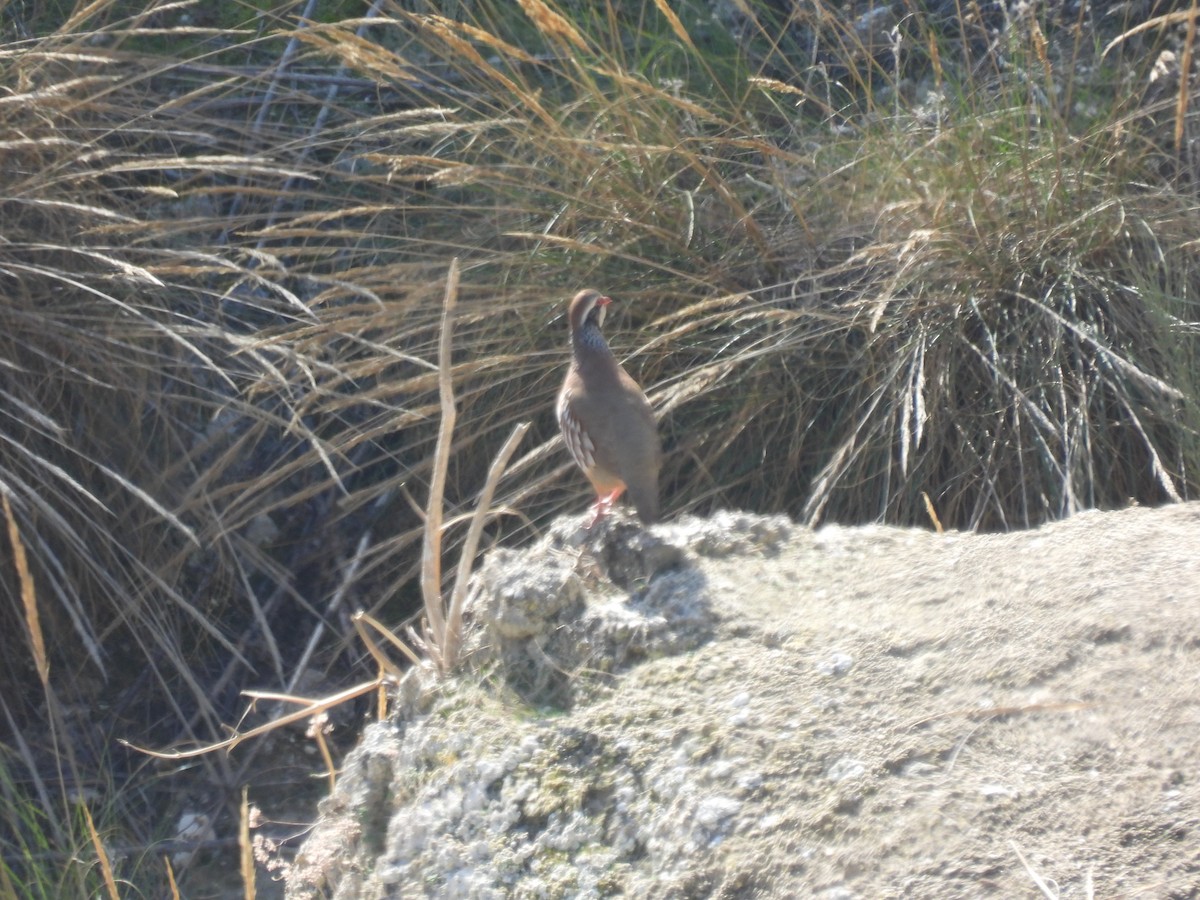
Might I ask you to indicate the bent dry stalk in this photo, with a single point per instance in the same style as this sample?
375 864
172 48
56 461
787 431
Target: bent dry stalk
443 638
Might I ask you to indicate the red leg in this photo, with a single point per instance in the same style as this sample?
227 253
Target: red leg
604 504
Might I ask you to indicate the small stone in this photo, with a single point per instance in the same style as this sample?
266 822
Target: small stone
837 664
994 791
846 768
713 811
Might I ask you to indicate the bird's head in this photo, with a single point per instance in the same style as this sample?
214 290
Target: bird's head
588 308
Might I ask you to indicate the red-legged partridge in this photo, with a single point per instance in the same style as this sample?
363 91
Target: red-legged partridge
607 423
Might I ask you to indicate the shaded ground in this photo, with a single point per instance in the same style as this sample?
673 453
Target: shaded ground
765 711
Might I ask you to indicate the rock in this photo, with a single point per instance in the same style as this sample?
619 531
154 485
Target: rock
587 600
521 601
738 707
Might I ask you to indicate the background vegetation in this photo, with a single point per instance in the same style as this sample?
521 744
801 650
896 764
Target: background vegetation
872 263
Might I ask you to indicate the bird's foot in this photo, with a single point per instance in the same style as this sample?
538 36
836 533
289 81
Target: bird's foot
603 504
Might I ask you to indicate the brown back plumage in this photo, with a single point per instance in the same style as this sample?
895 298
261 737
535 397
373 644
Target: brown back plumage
607 423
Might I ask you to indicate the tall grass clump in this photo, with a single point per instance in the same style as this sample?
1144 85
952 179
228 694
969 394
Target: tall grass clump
134 429
946 258
1027 346
863 263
